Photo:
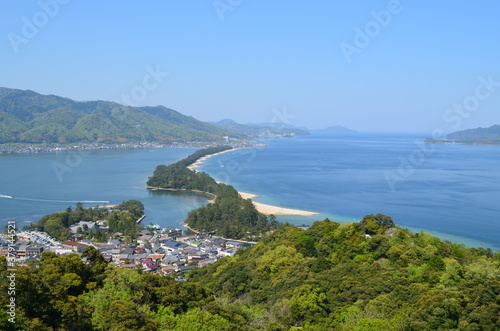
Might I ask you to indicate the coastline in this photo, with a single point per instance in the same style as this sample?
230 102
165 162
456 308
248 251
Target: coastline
202 159
261 207
35 148
275 210
154 188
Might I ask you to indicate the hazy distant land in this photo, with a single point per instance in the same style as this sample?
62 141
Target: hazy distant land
337 129
479 136
269 130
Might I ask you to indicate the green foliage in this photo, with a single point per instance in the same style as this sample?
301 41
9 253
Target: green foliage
489 135
332 276
376 224
229 215
176 176
121 219
322 278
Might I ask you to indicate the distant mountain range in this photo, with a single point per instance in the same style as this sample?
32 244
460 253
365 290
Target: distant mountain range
489 135
256 130
29 117
336 129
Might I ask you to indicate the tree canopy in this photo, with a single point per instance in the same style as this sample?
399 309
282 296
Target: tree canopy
229 215
330 276
121 218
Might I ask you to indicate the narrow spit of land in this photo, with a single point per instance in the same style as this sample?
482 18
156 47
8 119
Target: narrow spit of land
261 207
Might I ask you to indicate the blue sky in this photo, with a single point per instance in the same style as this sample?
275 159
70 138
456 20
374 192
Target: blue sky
416 66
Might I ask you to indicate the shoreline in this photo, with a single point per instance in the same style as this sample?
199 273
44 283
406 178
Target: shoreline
275 210
200 161
36 148
154 188
261 207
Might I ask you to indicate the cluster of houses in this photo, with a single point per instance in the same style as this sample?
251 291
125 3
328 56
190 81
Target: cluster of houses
155 250
168 254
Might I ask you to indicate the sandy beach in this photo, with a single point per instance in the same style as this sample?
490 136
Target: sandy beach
201 159
261 207
275 210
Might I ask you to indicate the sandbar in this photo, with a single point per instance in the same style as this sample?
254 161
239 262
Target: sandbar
201 159
275 210
261 207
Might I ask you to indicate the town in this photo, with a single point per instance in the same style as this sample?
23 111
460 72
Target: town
165 251
14 148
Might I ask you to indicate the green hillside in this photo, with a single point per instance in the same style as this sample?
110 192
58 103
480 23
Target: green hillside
478 136
329 277
355 276
29 117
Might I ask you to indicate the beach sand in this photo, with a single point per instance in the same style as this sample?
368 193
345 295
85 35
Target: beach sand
275 210
261 207
201 159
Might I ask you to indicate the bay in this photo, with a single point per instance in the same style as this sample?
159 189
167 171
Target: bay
50 182
451 191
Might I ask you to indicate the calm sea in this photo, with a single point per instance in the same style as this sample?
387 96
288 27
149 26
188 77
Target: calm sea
451 191
49 182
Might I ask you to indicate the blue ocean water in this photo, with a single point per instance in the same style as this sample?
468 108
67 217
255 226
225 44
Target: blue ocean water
449 190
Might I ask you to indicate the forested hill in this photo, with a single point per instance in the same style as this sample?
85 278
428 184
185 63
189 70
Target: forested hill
177 176
368 275
29 117
491 134
365 276
486 136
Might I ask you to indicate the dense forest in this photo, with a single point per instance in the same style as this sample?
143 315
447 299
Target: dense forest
29 117
177 176
121 218
229 215
363 276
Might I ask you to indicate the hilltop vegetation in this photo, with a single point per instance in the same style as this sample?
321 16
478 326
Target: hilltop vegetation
483 136
329 277
29 117
336 277
121 218
229 215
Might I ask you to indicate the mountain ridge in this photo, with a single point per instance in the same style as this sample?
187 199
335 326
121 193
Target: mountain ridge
259 129
337 129
29 117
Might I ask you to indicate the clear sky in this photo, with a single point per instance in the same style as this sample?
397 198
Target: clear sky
392 66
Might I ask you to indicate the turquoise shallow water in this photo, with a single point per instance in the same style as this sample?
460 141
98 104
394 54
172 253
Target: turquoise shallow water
453 192
450 190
